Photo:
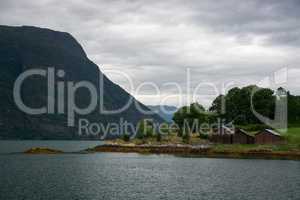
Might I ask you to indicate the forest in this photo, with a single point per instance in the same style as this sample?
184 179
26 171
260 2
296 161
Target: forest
235 107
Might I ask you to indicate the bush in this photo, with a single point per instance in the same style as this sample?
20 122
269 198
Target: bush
149 133
158 137
140 135
186 138
126 137
180 132
145 129
203 136
164 129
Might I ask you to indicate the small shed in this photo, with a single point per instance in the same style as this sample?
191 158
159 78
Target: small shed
223 130
222 135
226 135
268 136
240 136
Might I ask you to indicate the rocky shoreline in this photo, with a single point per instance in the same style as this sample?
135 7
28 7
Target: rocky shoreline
200 151
39 150
180 150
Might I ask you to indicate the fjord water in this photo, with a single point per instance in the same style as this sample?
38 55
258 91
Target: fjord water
134 176
17 146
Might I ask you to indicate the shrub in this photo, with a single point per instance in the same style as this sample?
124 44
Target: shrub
126 137
158 137
164 128
203 136
186 138
145 129
140 135
180 132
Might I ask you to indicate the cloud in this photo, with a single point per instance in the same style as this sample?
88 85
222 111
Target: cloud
219 42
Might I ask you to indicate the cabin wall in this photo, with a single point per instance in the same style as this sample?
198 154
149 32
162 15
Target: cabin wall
242 138
267 138
239 138
251 140
222 139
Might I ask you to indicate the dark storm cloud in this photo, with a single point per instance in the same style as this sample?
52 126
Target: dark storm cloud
219 41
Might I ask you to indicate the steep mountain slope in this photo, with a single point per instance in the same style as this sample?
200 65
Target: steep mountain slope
24 48
166 112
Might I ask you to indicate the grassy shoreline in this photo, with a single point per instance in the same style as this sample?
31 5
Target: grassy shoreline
212 151
172 144
208 151
196 146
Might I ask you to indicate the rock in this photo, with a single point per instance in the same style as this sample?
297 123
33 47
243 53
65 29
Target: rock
40 150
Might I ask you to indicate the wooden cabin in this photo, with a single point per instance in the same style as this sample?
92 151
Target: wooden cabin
222 135
223 130
226 135
268 136
240 136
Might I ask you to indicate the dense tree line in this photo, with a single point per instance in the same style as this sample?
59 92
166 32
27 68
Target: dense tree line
236 107
190 118
293 108
236 104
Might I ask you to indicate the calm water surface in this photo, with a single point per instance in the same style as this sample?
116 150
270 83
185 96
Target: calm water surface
133 176
67 146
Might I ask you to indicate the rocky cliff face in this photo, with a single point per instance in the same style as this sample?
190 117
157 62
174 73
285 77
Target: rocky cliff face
24 48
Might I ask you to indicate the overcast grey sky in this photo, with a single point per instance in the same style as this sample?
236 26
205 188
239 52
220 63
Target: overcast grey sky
229 42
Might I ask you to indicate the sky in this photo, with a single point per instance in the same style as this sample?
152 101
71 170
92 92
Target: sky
175 52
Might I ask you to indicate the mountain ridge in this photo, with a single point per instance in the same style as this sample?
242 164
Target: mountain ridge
165 111
27 47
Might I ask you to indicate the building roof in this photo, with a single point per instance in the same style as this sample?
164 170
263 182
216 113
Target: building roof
228 129
243 131
271 131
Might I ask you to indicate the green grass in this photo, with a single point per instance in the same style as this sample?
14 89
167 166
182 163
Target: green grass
171 138
255 147
293 135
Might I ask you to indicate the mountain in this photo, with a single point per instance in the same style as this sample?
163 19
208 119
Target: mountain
166 112
31 48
